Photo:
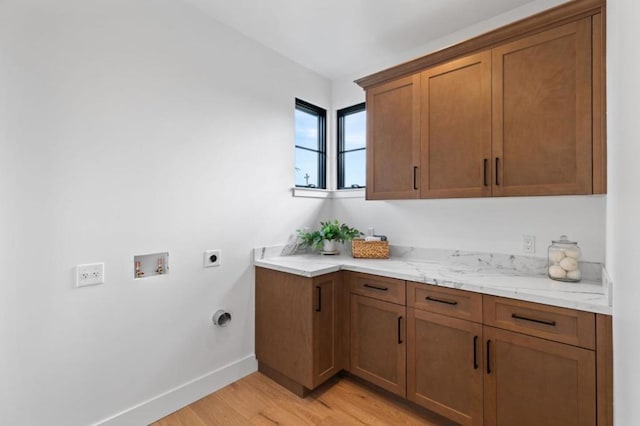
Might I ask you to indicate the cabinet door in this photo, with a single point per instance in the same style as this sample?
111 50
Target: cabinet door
326 329
393 139
542 113
531 381
445 365
378 343
456 128
297 332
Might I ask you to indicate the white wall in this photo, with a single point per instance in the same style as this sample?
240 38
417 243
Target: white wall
8 218
495 224
138 126
489 225
623 202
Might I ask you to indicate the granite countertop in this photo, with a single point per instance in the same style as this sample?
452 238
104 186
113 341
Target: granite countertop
516 277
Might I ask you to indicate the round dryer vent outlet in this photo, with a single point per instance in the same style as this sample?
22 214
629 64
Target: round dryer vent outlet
221 318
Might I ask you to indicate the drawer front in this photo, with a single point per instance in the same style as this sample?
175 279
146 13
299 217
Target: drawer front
445 301
381 288
548 322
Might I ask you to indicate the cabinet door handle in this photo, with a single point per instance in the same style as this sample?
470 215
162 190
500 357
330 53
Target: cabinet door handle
399 330
539 321
448 302
375 287
319 305
488 356
497 172
415 177
475 352
484 173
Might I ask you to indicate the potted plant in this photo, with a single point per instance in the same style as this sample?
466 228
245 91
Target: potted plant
330 233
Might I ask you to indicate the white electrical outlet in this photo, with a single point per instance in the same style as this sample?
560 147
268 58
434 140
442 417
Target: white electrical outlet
212 258
89 274
528 244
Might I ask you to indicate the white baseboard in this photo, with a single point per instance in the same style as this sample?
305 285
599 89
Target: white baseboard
174 399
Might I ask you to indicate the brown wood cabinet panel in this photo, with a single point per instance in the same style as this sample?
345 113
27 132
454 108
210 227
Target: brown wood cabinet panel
382 288
456 128
542 113
446 301
393 139
531 382
297 327
344 315
378 343
604 368
445 366
326 329
599 133
549 322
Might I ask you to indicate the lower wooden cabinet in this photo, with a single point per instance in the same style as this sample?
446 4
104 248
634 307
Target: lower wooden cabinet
445 365
378 344
475 359
298 328
531 381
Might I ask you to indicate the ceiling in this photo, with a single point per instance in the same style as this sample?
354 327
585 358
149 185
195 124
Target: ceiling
340 38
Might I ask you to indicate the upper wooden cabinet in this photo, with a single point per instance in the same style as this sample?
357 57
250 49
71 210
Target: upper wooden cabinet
542 113
393 139
515 112
456 128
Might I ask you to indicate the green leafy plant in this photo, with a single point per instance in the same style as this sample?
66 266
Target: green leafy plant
330 230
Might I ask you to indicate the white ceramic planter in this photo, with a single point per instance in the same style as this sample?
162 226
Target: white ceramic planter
329 245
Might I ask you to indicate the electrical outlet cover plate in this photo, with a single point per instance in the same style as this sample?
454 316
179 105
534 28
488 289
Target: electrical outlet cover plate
212 258
528 244
89 274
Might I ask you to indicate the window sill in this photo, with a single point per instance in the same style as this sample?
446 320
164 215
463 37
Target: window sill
327 193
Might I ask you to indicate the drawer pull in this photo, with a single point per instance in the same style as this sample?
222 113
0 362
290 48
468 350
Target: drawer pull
539 321
475 352
375 287
448 302
484 173
319 308
399 330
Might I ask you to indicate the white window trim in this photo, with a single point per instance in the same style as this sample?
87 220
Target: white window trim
327 193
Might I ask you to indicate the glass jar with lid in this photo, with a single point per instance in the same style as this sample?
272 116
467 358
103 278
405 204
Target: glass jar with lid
564 260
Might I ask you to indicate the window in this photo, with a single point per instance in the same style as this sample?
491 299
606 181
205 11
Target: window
352 147
310 135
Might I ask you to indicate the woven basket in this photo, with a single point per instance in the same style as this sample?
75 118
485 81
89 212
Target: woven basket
369 249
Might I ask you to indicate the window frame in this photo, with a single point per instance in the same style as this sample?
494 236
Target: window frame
321 113
341 114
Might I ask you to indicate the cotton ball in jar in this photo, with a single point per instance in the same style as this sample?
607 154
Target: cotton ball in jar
556 271
569 264
556 255
572 253
574 275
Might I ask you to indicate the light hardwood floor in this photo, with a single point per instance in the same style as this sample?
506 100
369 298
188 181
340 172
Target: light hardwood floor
257 400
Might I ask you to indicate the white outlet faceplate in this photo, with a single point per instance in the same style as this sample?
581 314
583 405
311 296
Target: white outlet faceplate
212 258
89 274
528 244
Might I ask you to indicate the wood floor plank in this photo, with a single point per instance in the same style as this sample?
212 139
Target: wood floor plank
257 400
183 417
214 411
